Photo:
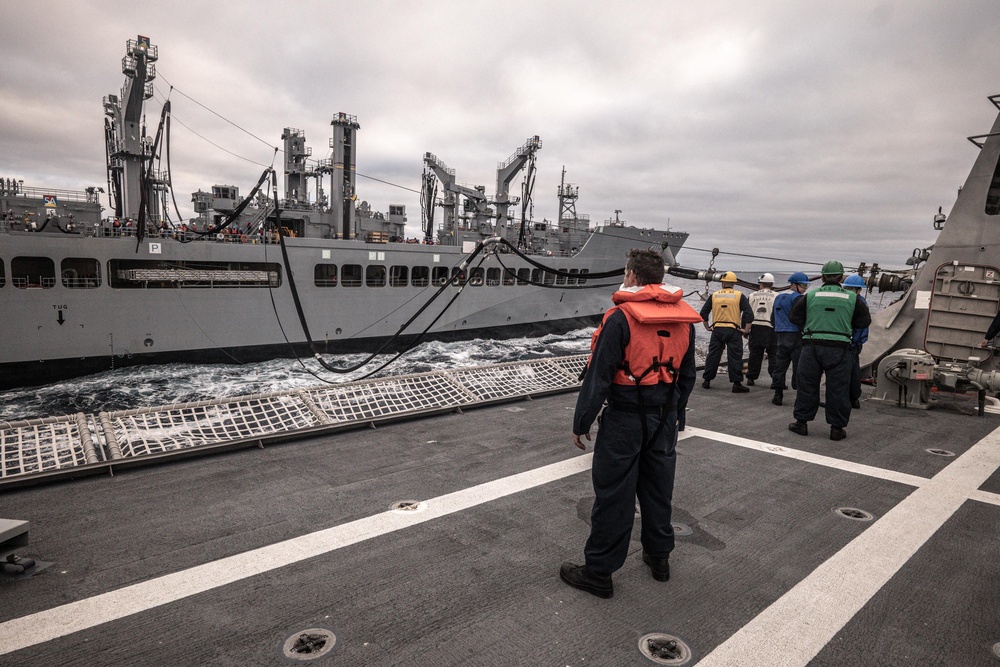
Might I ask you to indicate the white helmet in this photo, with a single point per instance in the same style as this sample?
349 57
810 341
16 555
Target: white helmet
766 278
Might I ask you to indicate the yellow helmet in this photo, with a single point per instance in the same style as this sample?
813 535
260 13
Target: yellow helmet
728 277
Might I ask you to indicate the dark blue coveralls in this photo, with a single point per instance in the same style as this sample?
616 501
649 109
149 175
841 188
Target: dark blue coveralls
728 337
858 339
624 467
832 358
788 340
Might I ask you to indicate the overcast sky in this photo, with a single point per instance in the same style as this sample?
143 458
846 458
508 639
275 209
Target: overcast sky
801 130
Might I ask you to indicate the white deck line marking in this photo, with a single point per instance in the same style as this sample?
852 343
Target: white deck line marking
809 457
985 497
44 626
796 627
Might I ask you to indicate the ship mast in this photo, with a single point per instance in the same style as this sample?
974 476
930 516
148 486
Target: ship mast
128 150
568 194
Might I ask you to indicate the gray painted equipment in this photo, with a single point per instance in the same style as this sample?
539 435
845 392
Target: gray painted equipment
13 536
907 376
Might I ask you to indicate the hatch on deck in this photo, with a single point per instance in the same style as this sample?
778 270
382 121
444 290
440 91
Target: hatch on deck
964 300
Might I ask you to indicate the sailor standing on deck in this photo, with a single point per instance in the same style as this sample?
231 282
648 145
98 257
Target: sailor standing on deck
641 363
828 317
731 316
788 336
761 330
859 337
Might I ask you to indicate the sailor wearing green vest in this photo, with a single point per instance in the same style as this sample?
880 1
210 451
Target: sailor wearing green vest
828 316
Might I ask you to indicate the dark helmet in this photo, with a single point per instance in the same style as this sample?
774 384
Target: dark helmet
798 278
833 268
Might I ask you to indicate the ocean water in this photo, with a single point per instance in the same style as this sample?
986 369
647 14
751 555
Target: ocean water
147 386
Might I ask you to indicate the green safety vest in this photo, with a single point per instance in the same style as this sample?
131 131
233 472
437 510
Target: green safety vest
829 311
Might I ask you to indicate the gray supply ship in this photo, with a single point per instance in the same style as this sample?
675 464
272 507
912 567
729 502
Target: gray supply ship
85 290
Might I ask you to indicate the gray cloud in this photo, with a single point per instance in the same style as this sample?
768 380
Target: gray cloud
782 128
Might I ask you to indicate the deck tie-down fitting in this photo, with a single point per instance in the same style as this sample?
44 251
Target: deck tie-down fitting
667 650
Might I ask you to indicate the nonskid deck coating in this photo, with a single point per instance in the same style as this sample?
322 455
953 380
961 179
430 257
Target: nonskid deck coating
480 585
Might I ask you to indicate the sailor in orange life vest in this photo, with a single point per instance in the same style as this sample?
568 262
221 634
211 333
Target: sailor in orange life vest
642 362
731 318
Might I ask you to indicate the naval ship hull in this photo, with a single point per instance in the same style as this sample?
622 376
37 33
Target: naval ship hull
70 325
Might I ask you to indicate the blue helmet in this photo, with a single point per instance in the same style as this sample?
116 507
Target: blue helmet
854 281
798 278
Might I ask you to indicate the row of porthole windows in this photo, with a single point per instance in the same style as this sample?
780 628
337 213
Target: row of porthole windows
40 272
85 273
378 275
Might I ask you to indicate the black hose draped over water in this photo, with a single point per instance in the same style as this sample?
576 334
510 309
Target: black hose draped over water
491 244
170 175
305 325
579 276
711 275
147 177
237 212
554 271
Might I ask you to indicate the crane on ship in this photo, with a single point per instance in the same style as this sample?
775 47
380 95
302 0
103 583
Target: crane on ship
478 210
132 185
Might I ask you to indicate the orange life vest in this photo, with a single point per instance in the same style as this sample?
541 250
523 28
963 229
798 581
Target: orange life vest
658 333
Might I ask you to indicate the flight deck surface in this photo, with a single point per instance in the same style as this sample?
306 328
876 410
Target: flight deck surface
220 560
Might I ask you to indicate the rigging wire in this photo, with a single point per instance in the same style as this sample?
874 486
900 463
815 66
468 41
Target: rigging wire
213 112
209 141
242 129
738 254
395 185
716 251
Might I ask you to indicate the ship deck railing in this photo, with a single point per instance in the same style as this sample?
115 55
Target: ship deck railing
107 229
54 448
38 193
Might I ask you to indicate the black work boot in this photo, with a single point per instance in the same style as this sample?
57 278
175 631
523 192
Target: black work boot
856 404
749 382
799 426
659 566
738 388
837 433
707 384
578 576
778 395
